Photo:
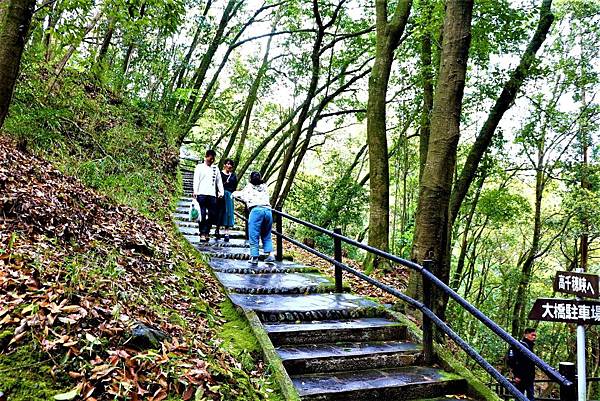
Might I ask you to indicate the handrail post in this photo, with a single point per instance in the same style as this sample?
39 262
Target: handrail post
247 216
337 255
278 238
427 324
567 393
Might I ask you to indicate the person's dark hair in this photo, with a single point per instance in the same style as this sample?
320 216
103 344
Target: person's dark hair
255 178
229 161
210 152
529 330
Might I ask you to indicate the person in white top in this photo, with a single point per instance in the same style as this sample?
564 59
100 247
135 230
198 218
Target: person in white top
260 220
206 188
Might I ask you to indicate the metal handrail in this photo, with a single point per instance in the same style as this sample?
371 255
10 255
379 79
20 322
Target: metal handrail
427 312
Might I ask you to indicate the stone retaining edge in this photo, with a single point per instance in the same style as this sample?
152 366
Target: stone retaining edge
271 357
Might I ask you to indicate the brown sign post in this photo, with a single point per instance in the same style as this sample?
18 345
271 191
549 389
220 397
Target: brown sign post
580 284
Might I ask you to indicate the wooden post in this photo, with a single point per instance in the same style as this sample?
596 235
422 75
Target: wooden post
278 238
337 255
427 326
247 216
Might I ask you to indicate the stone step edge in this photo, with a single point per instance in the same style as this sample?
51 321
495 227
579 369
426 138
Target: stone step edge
315 315
435 388
312 289
336 363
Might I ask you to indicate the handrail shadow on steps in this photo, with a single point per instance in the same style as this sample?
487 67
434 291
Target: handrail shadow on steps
567 387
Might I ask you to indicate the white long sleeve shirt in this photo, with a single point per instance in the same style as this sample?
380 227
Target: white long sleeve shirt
207 180
254 195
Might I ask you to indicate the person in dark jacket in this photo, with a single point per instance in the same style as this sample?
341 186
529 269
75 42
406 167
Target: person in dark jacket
523 368
230 183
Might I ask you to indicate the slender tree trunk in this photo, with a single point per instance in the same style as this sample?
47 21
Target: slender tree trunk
503 103
432 229
455 283
251 100
63 62
388 39
303 115
200 74
110 30
185 64
585 182
52 20
531 255
15 18
131 47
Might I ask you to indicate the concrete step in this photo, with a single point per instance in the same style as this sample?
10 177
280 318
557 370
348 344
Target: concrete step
191 229
243 267
276 283
292 308
218 243
322 358
405 383
348 330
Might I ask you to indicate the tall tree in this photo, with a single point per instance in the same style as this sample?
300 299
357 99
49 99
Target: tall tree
502 104
15 17
431 239
388 35
230 10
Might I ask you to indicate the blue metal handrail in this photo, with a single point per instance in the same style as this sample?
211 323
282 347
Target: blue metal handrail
428 277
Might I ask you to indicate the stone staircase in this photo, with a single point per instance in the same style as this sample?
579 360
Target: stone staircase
333 346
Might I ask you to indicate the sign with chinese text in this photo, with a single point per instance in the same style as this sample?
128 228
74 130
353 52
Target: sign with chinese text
566 310
581 284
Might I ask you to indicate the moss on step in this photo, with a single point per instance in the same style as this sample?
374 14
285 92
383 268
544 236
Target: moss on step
239 339
24 376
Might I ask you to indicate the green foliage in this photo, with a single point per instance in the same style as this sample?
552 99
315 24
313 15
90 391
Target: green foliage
503 207
334 199
123 148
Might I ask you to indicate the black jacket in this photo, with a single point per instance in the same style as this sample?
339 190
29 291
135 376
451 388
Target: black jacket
521 366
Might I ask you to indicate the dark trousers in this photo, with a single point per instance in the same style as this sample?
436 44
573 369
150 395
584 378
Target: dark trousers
527 389
208 213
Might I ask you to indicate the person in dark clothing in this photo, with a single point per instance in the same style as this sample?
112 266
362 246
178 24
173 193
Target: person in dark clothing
230 183
523 368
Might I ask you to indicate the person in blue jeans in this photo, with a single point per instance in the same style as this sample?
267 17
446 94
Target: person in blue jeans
260 221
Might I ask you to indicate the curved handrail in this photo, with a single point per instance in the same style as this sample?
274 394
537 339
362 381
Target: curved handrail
495 328
550 371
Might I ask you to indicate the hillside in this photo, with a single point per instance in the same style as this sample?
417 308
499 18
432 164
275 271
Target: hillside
82 273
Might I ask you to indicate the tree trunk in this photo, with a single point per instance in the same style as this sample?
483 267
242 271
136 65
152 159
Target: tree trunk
427 81
310 131
185 64
388 39
131 46
63 62
503 103
455 283
110 30
250 101
15 18
303 115
432 229
52 20
200 74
